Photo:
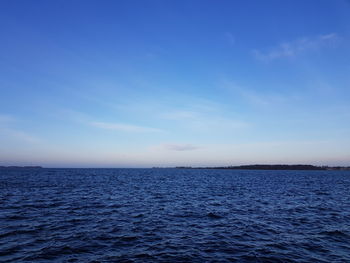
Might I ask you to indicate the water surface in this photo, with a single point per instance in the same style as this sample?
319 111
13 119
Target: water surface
174 215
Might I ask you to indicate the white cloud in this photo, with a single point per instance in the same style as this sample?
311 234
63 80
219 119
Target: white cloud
231 39
19 135
296 47
8 132
204 120
85 119
5 119
257 98
260 99
180 147
121 127
204 116
180 115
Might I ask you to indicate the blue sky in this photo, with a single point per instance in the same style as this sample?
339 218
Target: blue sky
166 83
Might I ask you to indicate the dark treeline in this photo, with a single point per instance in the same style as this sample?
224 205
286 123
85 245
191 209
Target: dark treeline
239 167
274 167
20 167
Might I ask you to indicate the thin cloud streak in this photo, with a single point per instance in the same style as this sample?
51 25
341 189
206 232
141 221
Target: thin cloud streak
19 135
121 127
7 131
180 115
5 119
231 39
204 120
296 47
85 119
180 147
256 98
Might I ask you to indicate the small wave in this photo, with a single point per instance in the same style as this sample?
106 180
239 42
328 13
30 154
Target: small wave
214 216
16 217
18 232
334 233
128 238
138 215
78 215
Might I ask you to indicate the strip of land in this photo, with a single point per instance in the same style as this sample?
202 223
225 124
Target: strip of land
239 167
273 167
20 167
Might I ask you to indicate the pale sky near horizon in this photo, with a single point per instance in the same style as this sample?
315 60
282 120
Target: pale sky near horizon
169 83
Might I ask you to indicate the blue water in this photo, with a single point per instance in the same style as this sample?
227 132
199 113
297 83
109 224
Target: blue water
174 215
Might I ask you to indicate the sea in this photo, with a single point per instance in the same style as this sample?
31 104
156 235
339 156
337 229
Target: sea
174 215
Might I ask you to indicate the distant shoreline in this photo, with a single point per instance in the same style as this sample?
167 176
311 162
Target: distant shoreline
292 167
21 167
274 167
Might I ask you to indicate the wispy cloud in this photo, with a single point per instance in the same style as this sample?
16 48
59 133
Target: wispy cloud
180 115
121 127
19 135
204 120
258 98
230 38
8 131
5 119
296 47
85 119
204 116
180 147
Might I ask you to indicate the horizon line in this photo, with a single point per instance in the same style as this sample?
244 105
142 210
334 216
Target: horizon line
178 166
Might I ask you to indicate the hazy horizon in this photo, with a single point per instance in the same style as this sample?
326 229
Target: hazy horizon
174 83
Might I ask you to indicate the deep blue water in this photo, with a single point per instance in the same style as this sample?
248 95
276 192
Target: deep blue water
174 215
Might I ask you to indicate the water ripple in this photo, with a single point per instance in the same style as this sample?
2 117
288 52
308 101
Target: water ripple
174 215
